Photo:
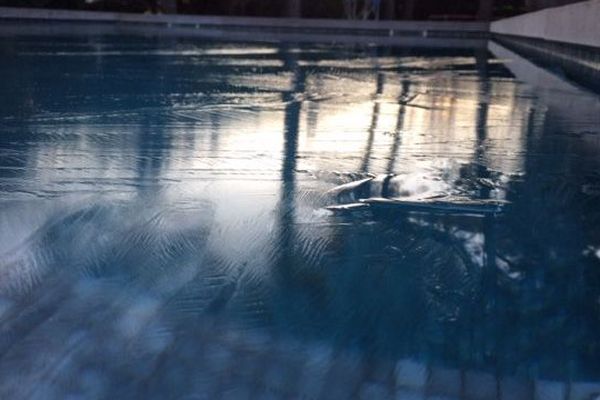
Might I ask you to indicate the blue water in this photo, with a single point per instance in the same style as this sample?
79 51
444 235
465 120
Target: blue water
165 230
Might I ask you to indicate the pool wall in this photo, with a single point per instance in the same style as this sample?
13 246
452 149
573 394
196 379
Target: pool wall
575 24
566 39
304 25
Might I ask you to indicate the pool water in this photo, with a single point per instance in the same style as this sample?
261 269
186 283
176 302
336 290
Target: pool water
170 225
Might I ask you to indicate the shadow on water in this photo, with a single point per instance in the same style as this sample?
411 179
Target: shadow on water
163 230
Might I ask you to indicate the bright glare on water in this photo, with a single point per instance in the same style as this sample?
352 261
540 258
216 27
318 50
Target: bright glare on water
172 226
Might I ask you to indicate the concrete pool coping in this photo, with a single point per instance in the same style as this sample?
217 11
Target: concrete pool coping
290 25
576 24
32 29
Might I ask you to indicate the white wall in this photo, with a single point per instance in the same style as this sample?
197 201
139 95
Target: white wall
574 23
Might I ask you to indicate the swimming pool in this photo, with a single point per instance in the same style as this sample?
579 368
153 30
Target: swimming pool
170 225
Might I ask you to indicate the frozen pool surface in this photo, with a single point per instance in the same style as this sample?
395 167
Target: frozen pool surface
165 230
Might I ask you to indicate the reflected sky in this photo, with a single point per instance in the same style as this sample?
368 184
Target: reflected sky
163 228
